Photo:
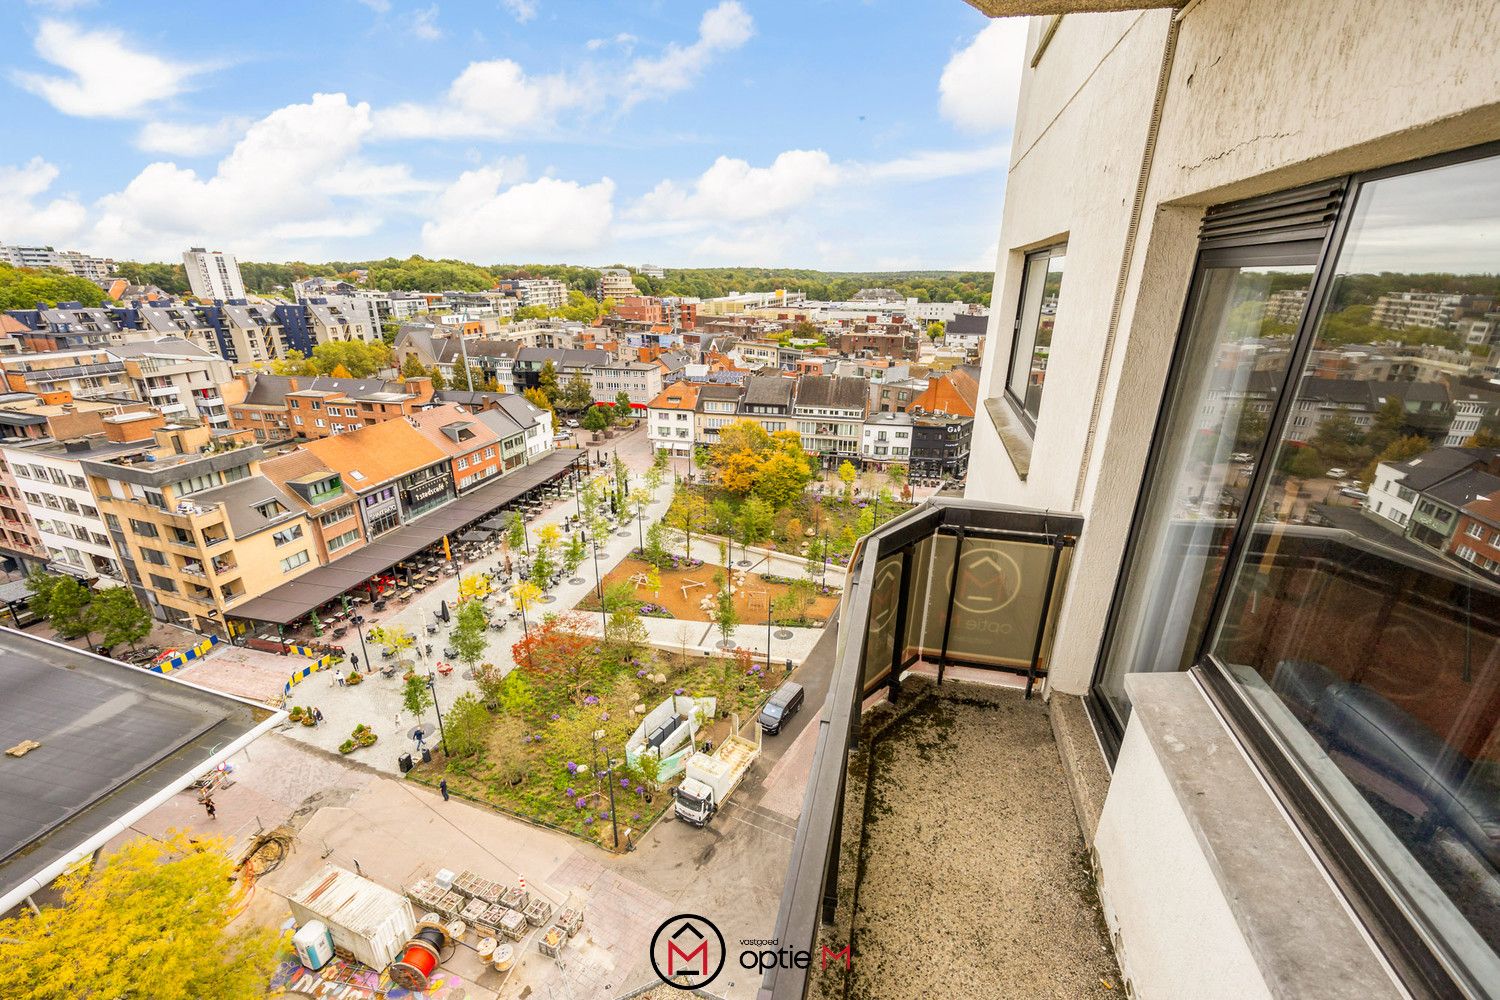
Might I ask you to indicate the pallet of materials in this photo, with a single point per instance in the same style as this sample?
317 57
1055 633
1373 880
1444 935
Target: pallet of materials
570 919
490 919
513 925
537 912
551 943
515 898
473 910
425 893
451 905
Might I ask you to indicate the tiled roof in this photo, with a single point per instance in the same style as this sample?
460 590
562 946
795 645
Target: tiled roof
1464 488
954 394
968 325
272 389
839 392
681 396
295 465
376 454
453 430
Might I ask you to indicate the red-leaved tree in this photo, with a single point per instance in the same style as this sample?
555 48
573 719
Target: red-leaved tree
559 648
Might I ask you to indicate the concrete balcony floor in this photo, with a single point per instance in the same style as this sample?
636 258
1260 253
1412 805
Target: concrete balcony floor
963 872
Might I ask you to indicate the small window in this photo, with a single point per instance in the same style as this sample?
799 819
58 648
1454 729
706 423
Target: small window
1040 284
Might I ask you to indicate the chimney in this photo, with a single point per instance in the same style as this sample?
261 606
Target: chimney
292 385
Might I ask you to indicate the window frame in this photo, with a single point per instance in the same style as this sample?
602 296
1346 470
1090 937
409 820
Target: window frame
1414 950
1018 404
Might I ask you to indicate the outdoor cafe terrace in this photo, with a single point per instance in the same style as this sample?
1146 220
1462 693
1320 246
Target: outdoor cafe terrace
400 559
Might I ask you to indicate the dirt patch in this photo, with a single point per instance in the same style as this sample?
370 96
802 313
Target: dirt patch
683 589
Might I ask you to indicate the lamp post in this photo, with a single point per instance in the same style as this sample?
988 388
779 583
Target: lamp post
609 780
640 532
768 633
432 686
358 622
599 588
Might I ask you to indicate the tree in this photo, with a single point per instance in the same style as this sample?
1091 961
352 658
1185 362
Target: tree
395 640
559 647
1484 437
793 533
472 586
467 726
739 436
1398 450
573 554
470 638
725 616
416 698
63 601
755 521
897 474
515 535
439 380
782 478
739 472
24 287
539 399
118 617
623 412
150 920
656 549
542 567
653 580
577 395
595 419
1342 441
686 513
525 594
936 330
624 629
847 475
412 368
546 381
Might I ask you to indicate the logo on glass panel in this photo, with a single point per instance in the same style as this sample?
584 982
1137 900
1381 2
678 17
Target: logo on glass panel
988 580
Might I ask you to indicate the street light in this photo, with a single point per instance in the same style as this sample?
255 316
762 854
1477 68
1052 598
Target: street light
609 780
432 686
598 587
358 621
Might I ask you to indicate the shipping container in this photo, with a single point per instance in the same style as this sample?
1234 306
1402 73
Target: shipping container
368 921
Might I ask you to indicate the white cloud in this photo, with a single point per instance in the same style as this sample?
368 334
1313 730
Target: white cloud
625 40
282 182
424 24
378 6
494 99
187 139
108 75
733 191
937 164
479 218
23 220
981 84
723 28
521 10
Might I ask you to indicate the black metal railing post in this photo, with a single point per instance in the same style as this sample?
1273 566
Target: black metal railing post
958 554
1041 618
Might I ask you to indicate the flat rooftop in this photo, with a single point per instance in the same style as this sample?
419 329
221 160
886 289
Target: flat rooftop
112 736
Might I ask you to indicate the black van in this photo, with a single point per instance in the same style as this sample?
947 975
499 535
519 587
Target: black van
780 707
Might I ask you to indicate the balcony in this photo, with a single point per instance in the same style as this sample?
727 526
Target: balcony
938 836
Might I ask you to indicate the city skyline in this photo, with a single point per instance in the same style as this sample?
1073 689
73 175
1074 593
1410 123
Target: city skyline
521 132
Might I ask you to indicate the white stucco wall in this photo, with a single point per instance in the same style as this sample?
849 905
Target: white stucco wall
1262 97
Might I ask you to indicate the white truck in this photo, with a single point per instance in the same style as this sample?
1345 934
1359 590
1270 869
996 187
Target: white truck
710 780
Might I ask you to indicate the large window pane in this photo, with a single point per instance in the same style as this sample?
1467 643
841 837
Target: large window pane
1371 639
1231 368
1040 287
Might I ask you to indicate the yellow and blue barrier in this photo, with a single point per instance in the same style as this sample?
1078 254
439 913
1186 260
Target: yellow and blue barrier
322 662
179 660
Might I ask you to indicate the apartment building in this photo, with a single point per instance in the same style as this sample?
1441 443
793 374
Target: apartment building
966 332
670 419
637 379
940 445
537 422
512 435
80 264
331 508
337 319
197 524
471 444
1402 310
177 377
830 412
213 275
67 327
885 440
529 362
718 406
21 548
395 473
250 333
548 293
173 320
641 309
1476 538
83 374
277 407
615 283
50 477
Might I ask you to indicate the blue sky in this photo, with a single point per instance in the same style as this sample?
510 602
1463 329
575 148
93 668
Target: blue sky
812 133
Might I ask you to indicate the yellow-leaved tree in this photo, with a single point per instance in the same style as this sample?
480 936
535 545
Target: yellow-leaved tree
149 921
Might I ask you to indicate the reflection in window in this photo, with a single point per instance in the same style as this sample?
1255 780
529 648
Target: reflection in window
1371 640
1235 357
1040 286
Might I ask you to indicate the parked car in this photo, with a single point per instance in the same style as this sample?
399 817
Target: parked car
1240 456
1338 473
1354 494
780 707
571 423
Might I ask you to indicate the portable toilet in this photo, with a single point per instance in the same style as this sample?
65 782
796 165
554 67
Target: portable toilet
314 944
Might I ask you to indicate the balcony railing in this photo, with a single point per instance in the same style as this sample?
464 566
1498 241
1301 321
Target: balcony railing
951 583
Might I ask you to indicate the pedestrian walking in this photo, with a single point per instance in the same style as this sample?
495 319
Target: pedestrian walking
338 678
209 805
443 787
419 736
317 716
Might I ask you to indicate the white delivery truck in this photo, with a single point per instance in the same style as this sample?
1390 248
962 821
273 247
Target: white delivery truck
710 780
